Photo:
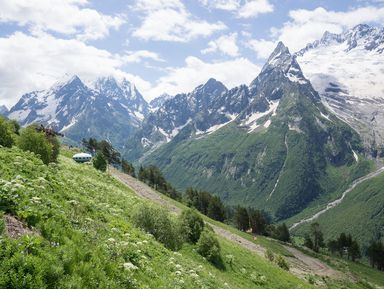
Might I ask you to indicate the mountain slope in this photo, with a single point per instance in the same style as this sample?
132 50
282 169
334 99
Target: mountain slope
360 214
86 237
108 109
275 151
347 70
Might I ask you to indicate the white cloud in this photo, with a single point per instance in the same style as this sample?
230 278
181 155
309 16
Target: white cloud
252 8
195 72
242 8
33 63
262 47
139 55
69 17
307 26
165 20
228 5
226 44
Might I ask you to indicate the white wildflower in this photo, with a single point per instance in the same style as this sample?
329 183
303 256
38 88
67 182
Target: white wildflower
129 266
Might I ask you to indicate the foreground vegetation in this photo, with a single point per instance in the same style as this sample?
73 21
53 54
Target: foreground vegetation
86 236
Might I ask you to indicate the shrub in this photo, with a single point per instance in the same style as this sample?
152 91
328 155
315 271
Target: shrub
191 225
6 138
34 141
208 246
100 163
280 261
158 223
269 255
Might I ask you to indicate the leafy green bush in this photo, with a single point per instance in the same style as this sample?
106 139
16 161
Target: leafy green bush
6 138
99 162
158 223
208 246
269 255
191 225
36 142
280 261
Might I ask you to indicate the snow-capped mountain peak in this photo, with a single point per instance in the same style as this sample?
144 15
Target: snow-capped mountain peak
70 106
347 71
3 110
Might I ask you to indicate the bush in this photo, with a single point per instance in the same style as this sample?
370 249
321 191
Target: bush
280 261
34 141
269 255
191 225
100 163
208 246
158 223
6 139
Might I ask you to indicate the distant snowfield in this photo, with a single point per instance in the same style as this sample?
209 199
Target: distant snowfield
359 71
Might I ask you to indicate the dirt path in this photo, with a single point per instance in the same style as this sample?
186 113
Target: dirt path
339 200
300 264
303 262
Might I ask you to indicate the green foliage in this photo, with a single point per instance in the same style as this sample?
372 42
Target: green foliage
269 255
127 168
99 162
242 218
6 138
191 225
36 142
111 155
282 263
87 238
208 246
206 203
258 221
281 233
317 238
375 254
153 177
159 223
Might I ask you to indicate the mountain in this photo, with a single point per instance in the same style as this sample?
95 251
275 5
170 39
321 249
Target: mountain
106 108
3 110
346 69
272 144
159 101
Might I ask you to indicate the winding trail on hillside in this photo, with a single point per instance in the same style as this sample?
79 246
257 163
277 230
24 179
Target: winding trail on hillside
336 202
300 264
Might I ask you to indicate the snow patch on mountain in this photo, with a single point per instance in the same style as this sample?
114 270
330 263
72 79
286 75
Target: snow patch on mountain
252 120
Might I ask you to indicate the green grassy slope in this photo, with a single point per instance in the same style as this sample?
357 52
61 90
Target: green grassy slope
361 213
85 236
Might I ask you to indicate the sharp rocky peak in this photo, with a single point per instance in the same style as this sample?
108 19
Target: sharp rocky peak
363 35
280 57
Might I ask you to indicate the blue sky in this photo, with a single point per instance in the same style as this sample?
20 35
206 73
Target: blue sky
160 45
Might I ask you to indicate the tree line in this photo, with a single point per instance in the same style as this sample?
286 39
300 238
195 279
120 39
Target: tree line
34 138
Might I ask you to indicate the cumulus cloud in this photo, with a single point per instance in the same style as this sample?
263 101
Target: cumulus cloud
262 47
195 72
252 8
70 17
306 26
33 63
242 9
225 44
165 20
139 55
228 5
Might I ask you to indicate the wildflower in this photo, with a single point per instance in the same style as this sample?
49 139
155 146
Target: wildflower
111 240
129 266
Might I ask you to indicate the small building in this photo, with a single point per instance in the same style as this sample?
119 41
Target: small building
82 157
